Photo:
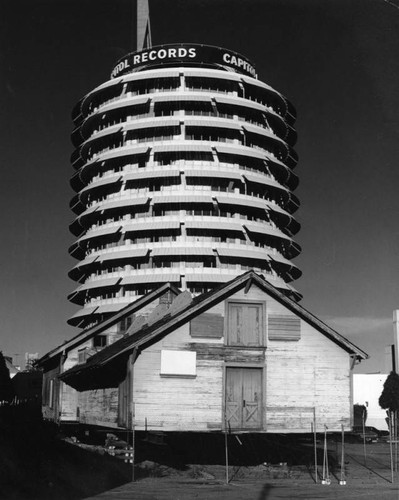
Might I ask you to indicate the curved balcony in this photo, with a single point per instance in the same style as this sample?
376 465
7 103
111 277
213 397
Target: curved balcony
96 125
112 89
153 277
189 195
261 140
185 247
135 151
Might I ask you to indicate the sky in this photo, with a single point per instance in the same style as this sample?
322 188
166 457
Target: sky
337 61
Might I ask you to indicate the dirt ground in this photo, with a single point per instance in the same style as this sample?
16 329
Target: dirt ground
37 462
370 479
243 490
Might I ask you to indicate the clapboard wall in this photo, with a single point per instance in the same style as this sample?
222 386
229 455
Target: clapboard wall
302 376
100 407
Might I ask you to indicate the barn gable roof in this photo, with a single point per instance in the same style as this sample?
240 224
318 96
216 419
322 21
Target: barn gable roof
102 369
90 332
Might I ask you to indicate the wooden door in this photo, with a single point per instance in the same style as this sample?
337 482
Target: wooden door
245 324
244 398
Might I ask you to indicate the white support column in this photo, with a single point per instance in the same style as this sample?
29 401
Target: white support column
396 338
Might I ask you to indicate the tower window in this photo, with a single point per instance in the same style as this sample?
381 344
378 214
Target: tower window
100 341
125 324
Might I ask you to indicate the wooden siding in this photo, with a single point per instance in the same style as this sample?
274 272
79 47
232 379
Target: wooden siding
178 403
69 397
301 377
68 409
311 375
99 407
124 391
298 378
50 403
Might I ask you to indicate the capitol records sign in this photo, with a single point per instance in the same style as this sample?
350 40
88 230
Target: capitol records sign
183 53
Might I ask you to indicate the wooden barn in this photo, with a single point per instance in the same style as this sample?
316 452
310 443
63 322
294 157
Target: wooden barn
243 357
60 401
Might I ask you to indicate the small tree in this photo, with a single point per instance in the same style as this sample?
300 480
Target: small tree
6 390
359 414
389 399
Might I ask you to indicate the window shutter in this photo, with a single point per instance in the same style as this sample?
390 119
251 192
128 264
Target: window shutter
284 327
207 325
245 324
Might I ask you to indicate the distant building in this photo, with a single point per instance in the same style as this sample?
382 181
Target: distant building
11 367
367 389
184 174
27 386
243 356
30 359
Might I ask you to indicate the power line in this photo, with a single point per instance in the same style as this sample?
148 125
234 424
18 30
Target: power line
393 4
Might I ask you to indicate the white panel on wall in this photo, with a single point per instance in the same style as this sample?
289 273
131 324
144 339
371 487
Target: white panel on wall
179 363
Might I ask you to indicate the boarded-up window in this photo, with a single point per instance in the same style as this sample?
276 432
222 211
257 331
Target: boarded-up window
178 363
245 324
284 327
207 325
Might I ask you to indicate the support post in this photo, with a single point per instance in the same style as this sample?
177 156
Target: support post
342 481
132 359
390 442
226 450
395 433
316 472
326 473
395 354
364 439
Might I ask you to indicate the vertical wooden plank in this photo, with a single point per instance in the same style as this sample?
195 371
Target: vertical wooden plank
252 398
122 397
352 361
235 332
234 397
132 359
248 325
59 390
253 322
245 324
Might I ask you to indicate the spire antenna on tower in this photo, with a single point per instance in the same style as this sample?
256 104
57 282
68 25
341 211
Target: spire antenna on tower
143 25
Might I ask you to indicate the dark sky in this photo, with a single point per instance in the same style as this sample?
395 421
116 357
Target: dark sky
336 60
